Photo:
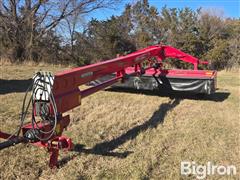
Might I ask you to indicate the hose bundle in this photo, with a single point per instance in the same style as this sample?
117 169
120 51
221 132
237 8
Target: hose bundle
43 106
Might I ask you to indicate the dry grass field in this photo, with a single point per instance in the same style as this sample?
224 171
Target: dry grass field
125 135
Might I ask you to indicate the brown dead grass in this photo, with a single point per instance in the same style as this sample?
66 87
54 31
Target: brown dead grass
126 135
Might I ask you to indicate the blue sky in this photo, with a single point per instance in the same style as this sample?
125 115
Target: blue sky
228 8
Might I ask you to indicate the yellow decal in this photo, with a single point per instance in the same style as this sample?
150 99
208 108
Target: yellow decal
208 73
58 129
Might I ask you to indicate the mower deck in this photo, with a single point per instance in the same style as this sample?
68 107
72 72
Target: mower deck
192 81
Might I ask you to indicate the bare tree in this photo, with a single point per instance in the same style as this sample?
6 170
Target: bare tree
72 24
25 22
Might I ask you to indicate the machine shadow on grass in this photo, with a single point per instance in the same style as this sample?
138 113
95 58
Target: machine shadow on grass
216 97
106 148
14 85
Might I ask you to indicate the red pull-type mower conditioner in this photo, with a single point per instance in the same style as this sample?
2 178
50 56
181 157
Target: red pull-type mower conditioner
53 95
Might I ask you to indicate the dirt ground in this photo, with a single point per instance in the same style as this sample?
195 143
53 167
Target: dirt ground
123 135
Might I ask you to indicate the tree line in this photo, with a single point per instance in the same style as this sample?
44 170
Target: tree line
52 32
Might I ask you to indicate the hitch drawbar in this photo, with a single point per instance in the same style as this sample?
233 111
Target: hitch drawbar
12 142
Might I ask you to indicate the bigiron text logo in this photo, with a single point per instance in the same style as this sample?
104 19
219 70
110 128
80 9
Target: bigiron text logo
209 169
